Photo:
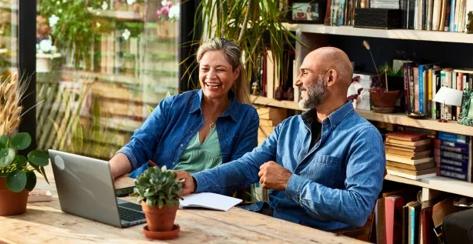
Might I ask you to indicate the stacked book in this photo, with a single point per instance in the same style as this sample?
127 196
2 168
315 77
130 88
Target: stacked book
452 156
408 154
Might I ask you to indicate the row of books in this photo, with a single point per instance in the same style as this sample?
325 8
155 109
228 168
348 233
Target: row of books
452 155
421 83
408 154
432 15
402 217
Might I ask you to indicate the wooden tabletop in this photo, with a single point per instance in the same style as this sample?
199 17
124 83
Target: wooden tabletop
44 222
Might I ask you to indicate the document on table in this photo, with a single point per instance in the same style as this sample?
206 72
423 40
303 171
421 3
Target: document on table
209 200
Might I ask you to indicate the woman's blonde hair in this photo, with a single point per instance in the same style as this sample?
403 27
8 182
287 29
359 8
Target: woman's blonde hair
233 55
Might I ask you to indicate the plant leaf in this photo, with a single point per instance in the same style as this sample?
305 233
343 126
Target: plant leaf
3 141
6 156
39 158
30 180
16 182
21 141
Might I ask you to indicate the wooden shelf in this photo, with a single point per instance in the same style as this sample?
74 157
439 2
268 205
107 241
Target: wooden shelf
398 34
398 119
438 183
258 100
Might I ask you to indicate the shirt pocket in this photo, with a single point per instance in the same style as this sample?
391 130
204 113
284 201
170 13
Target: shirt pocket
326 170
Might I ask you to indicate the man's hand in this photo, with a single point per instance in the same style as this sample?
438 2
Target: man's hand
188 185
273 176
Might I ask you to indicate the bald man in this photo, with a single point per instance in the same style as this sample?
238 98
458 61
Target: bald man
325 167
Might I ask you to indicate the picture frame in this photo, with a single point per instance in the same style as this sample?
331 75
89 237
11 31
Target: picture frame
467 108
301 11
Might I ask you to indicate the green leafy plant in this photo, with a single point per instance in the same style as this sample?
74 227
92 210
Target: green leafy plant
18 169
256 26
158 187
74 26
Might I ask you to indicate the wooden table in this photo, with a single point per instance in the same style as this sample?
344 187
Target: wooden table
44 222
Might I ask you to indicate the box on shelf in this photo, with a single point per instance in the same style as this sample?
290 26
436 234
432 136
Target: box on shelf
380 18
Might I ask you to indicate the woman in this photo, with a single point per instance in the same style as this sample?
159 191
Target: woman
198 129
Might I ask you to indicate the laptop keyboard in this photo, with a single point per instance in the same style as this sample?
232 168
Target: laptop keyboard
129 214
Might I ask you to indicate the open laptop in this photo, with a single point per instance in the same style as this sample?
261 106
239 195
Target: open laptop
85 188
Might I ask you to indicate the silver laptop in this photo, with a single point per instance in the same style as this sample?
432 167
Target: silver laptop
85 188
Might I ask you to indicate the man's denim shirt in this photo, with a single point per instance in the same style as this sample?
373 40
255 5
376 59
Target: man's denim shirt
176 120
334 184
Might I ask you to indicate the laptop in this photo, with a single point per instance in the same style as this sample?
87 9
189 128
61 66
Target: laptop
85 188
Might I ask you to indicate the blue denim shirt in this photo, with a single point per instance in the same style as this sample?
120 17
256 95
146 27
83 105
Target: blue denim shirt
334 184
168 129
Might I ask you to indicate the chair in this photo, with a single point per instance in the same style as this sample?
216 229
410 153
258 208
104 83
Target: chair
361 233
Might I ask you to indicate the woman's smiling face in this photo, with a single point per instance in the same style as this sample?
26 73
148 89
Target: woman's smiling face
216 74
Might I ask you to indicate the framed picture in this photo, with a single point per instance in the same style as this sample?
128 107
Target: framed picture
467 108
307 11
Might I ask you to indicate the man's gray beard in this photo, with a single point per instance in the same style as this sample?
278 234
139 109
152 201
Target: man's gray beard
315 96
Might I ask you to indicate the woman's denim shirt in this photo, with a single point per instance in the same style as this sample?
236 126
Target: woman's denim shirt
167 131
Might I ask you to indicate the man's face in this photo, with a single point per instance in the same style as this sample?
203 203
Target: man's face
313 86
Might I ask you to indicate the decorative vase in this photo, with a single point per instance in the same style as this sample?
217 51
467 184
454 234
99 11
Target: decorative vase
383 101
11 203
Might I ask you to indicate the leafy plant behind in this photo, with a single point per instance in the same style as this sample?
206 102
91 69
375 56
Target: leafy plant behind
254 25
75 30
158 187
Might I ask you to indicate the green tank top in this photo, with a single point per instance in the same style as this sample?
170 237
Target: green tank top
197 157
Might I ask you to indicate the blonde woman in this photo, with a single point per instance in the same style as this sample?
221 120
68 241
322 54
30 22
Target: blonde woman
198 129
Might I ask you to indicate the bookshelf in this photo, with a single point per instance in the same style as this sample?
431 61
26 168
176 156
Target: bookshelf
315 35
398 34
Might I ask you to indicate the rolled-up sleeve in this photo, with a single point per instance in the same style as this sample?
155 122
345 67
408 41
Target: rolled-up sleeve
144 140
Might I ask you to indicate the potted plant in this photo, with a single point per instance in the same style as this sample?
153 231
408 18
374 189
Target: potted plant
382 99
17 175
256 26
158 191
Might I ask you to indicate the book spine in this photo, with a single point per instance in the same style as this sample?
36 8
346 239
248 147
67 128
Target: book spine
445 136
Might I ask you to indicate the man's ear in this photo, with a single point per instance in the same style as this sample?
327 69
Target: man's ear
332 76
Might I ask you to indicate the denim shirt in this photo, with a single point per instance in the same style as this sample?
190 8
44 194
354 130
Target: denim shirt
165 134
334 184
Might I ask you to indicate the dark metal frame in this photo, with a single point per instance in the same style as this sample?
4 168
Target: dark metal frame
27 64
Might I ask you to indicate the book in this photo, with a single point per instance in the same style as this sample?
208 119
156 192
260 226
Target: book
393 209
400 159
408 148
406 136
413 175
392 141
209 200
421 166
413 222
409 154
426 234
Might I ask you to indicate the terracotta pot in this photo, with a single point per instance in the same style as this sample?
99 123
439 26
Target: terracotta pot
383 101
11 203
160 219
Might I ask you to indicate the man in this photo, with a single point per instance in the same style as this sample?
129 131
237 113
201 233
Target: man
325 167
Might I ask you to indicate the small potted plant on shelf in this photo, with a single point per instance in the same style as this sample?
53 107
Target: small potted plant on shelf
382 99
158 191
17 175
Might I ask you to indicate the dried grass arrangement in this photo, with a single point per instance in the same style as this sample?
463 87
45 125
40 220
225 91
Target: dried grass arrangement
10 97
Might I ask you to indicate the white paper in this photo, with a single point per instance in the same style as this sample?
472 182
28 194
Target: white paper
210 201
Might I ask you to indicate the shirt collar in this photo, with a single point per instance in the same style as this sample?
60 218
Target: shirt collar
334 118
231 111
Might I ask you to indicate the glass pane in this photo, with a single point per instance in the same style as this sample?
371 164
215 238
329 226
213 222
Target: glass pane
8 36
102 66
